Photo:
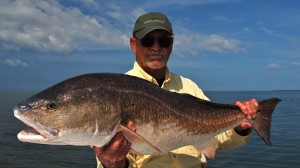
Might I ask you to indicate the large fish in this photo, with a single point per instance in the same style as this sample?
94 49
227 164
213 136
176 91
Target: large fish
88 110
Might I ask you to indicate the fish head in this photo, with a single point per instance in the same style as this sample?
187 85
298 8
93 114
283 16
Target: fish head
74 112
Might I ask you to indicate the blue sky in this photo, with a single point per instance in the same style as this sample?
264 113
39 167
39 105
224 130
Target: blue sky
219 44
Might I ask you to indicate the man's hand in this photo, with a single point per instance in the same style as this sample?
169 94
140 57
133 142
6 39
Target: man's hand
114 153
249 108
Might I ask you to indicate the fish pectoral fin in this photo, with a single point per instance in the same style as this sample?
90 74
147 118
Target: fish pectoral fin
138 140
209 148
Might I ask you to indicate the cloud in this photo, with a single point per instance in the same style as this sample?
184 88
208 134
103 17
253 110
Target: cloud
51 26
221 18
91 4
281 35
247 29
295 63
273 66
159 3
48 26
192 43
15 62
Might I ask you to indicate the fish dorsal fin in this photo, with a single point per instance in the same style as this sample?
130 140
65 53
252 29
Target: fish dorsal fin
138 142
209 148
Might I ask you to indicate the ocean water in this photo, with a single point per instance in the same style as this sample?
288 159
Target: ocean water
285 136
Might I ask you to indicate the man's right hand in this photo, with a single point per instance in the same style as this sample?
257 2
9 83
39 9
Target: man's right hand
114 153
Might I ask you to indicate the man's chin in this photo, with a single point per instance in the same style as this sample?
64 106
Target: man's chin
156 64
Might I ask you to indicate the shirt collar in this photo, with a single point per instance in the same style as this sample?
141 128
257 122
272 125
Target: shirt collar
148 77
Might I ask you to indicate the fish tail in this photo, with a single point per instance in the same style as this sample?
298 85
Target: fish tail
262 124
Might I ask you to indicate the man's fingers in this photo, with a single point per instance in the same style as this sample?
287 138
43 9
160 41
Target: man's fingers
115 142
255 102
118 150
131 126
248 107
246 125
99 150
252 108
123 150
242 106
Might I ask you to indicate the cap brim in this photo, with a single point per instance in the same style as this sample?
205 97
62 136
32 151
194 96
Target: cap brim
142 33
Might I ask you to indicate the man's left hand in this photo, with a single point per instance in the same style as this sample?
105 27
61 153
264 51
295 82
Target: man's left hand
249 108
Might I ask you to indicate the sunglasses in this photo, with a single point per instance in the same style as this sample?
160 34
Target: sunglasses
163 42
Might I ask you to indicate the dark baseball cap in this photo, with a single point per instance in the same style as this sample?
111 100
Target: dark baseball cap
149 22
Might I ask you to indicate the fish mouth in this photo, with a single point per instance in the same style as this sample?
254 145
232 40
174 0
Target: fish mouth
36 132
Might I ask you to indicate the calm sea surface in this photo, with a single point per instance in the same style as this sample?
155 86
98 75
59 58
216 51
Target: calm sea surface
285 134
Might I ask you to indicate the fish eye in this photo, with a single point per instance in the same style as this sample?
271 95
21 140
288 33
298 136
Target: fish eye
50 105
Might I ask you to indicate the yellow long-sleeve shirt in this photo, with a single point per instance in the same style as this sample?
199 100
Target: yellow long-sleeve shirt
188 156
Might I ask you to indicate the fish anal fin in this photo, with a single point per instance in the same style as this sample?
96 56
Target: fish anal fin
209 148
138 142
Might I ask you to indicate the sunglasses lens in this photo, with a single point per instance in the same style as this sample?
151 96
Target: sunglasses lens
162 41
147 41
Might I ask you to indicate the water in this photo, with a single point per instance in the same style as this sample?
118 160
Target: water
285 135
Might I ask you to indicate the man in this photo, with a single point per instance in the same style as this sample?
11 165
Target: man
152 43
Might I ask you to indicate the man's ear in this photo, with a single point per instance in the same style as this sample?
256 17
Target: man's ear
133 44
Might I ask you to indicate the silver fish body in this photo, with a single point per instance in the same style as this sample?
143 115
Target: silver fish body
88 110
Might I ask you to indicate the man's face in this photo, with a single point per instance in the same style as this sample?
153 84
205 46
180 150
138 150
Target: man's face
152 56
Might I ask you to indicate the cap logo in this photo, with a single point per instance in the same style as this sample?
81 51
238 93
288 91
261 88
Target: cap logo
156 21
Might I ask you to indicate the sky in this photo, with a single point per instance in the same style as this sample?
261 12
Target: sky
222 45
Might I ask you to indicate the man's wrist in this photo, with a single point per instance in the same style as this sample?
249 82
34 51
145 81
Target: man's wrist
117 164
